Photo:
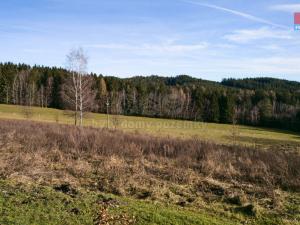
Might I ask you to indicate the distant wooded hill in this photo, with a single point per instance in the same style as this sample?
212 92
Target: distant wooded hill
265 102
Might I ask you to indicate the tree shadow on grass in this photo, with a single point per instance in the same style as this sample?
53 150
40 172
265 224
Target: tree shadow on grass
264 129
286 145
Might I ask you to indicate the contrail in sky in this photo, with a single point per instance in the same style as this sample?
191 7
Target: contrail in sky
239 13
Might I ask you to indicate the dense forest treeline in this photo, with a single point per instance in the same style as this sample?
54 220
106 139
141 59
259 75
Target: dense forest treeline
259 101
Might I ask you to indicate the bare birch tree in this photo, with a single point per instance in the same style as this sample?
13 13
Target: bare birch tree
45 93
77 89
21 89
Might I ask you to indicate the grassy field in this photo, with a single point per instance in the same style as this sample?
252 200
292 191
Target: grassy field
32 204
51 173
28 204
220 133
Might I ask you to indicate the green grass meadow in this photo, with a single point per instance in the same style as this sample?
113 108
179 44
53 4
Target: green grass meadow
220 133
31 204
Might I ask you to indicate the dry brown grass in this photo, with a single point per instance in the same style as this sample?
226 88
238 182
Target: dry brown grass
141 165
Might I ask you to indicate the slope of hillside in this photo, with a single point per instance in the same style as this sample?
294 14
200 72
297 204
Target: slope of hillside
219 133
27 204
51 172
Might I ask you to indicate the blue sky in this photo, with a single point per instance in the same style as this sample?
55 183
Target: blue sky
206 39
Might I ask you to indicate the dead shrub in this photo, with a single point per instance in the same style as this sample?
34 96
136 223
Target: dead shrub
121 155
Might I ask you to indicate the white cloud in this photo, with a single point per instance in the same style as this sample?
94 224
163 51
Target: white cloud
241 14
174 48
286 8
282 66
110 46
248 35
272 47
275 65
32 50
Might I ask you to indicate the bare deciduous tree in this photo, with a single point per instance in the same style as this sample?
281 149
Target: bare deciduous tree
45 93
21 89
78 90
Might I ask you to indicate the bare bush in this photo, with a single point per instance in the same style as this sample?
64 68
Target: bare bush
27 112
84 147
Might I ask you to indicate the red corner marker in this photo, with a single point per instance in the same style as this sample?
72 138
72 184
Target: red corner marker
297 18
